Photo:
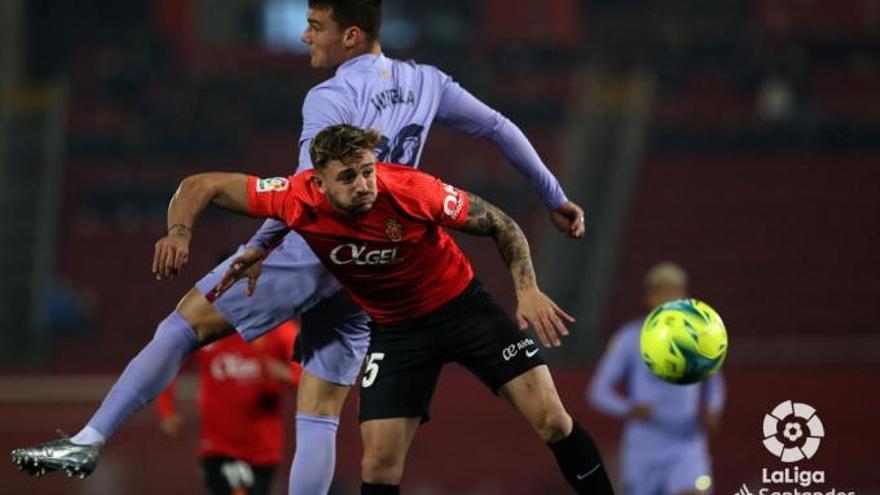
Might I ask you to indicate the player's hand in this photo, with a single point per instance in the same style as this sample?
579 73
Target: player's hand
539 311
641 412
249 265
711 421
172 426
569 218
172 252
278 370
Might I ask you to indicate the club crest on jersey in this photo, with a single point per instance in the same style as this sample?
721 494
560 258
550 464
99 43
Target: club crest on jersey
272 184
393 230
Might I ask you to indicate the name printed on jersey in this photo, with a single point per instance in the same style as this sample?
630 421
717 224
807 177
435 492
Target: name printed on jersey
393 96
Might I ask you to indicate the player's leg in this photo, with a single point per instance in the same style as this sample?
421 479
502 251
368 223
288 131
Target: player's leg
641 474
212 475
386 443
509 362
534 395
688 470
333 339
263 477
230 476
319 404
191 325
400 376
288 285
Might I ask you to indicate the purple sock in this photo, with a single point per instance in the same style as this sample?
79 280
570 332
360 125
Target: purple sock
147 374
315 459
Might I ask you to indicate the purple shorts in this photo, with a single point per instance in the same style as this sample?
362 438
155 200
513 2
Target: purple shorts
676 471
334 334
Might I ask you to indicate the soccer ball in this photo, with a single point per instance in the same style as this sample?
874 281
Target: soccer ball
683 341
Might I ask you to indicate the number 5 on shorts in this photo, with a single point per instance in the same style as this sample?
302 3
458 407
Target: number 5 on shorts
372 369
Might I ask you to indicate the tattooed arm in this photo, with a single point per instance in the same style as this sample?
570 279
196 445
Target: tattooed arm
485 219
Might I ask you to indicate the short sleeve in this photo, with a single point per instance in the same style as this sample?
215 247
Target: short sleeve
273 197
428 198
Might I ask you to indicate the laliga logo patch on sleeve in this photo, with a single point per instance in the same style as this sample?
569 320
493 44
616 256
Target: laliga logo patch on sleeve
272 184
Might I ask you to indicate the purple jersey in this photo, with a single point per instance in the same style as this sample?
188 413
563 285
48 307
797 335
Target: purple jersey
401 99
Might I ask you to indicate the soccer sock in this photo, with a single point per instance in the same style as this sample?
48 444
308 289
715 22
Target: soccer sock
371 489
143 379
315 458
581 464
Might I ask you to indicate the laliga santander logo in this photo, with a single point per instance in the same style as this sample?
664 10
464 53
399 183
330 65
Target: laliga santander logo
793 431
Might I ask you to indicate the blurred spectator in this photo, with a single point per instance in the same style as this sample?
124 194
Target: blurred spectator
664 449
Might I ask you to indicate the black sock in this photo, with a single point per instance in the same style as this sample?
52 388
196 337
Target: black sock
371 489
581 464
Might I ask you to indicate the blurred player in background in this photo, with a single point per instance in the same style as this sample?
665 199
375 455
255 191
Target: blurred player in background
378 228
399 99
664 448
241 395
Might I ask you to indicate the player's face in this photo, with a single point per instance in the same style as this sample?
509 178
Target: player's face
665 292
350 185
325 39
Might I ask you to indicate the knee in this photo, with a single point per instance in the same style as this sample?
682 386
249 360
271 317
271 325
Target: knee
553 424
381 467
207 323
319 397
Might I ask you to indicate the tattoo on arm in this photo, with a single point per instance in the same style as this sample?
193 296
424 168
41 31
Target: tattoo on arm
485 219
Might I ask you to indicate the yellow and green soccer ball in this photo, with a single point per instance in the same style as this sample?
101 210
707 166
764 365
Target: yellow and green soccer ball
683 341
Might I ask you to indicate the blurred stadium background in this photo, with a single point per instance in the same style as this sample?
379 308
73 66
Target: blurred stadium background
738 138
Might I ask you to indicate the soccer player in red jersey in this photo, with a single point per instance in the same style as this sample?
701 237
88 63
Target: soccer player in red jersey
241 387
379 230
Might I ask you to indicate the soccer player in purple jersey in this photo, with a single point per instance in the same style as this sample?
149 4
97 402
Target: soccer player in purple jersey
401 100
664 449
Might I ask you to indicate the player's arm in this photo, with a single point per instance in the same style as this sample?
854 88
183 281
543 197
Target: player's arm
611 370
534 307
714 394
170 421
226 190
461 110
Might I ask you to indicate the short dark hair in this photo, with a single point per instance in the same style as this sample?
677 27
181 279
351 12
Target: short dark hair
339 142
365 14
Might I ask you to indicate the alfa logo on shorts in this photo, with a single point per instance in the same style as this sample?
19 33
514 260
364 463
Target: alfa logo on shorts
393 230
512 350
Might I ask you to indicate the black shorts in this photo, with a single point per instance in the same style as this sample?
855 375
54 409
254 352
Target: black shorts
225 475
404 360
